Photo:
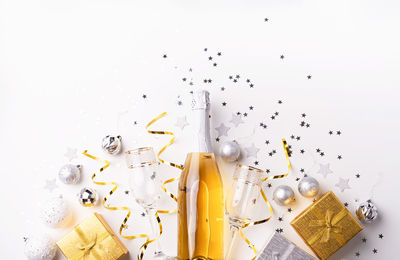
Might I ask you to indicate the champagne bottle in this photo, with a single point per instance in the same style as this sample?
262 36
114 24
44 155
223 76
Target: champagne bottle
200 195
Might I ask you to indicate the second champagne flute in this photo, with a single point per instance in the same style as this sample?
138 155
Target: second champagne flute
146 187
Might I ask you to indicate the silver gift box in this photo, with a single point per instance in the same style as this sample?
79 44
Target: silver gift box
279 248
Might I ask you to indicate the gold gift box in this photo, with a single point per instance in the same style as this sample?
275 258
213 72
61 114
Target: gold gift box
92 239
326 225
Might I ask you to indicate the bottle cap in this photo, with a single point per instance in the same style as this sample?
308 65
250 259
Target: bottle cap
200 100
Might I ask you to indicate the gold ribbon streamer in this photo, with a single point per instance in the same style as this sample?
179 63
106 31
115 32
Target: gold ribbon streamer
179 166
287 155
123 226
328 225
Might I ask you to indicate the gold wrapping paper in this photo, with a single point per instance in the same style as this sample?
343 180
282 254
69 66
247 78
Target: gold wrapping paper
326 225
90 240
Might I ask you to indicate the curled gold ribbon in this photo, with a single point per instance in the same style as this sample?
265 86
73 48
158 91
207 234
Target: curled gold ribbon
123 225
287 155
179 166
328 225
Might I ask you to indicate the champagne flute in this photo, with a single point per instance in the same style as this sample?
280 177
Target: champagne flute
241 199
146 188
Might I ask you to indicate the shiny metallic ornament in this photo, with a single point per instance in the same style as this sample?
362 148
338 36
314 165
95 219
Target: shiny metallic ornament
308 187
40 247
367 212
87 197
70 174
229 151
284 195
111 144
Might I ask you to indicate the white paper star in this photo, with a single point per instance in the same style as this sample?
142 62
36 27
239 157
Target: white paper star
324 169
236 120
343 184
251 151
222 130
181 122
50 185
71 153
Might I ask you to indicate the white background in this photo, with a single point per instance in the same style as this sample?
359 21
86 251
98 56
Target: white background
73 71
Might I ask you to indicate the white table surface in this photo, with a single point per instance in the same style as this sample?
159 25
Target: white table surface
73 71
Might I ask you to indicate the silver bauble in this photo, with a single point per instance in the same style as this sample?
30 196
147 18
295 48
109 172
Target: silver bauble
87 197
40 247
111 144
308 187
70 174
229 151
367 212
54 211
283 195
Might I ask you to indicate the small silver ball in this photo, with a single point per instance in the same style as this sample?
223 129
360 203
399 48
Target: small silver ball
40 247
112 144
367 212
87 197
70 174
308 187
229 151
284 195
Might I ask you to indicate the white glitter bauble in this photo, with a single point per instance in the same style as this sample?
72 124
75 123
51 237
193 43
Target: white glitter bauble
40 247
70 174
55 212
229 151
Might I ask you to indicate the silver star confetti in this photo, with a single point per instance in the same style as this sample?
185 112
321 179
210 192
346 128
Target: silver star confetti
236 120
343 184
71 153
222 130
181 122
50 185
324 169
251 151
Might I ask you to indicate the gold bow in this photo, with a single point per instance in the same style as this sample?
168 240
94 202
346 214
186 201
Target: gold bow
329 225
88 246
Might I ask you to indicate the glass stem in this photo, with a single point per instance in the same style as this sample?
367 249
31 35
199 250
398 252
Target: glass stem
151 213
234 235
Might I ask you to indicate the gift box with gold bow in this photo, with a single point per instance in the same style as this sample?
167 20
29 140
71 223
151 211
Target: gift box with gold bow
326 225
92 239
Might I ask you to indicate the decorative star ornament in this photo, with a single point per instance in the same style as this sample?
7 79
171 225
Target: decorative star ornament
71 153
343 184
50 185
324 169
251 151
181 122
236 120
222 130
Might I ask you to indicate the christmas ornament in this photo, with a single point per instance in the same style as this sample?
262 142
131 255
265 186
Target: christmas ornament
229 151
308 187
55 211
40 247
283 195
88 197
111 144
367 212
70 174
